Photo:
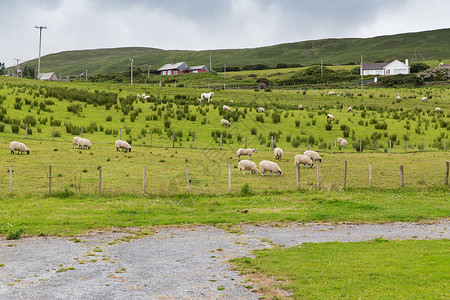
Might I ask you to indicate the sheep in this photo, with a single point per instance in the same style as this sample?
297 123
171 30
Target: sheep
300 107
330 117
138 96
84 143
247 165
226 107
146 97
330 93
75 141
260 109
424 99
437 109
224 122
19 147
339 140
248 152
349 109
207 96
313 155
344 143
122 145
143 95
303 160
269 166
231 101
199 100
278 152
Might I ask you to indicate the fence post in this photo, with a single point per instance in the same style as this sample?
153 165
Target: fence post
49 179
151 138
120 133
271 141
298 175
446 172
318 175
187 177
53 134
100 179
229 177
345 174
173 139
26 131
370 174
10 179
245 143
390 147
195 141
423 144
81 131
402 182
220 141
376 145
406 147
307 142
144 181
335 146
360 145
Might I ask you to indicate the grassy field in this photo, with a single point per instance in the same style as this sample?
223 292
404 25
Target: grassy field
366 270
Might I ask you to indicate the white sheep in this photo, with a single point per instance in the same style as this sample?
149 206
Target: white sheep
330 117
207 96
343 143
84 143
437 109
300 107
75 141
303 160
339 140
349 109
313 155
424 99
19 147
330 93
278 152
138 96
226 107
122 145
269 166
199 100
260 109
224 122
249 152
231 101
146 97
247 165
143 95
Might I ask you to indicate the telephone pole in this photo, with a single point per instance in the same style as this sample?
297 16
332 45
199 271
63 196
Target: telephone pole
40 39
362 72
132 60
17 67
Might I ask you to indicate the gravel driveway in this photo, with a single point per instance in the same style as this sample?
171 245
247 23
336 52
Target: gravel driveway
174 263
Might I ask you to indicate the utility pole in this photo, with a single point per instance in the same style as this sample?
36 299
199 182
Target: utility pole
40 39
132 60
86 74
17 67
361 70
148 72
210 61
321 68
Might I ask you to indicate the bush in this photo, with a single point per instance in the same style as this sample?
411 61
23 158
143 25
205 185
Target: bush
30 120
15 128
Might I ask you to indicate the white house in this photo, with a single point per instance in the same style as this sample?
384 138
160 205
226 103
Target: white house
48 77
393 68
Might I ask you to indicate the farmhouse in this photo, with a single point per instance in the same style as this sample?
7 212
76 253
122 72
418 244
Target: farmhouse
180 68
48 77
393 68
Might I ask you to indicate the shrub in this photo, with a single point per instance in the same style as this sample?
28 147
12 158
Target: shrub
328 126
297 123
30 120
15 128
109 118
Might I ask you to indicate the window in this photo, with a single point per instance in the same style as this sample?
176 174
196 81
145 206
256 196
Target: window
175 72
388 71
399 71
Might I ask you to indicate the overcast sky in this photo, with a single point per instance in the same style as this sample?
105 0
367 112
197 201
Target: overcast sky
203 24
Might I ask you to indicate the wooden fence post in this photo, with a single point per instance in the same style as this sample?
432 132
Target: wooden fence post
195 141
318 175
245 143
151 138
390 147
10 179
298 175
360 145
402 182
144 181
271 141
406 147
100 179
345 174
447 163
120 133
370 174
173 139
376 145
220 141
53 134
49 179
81 131
187 177
26 131
423 144
229 177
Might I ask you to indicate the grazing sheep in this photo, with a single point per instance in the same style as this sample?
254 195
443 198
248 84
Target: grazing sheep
269 166
313 155
330 93
437 109
226 107
19 147
224 122
138 96
146 97
143 95
278 152
247 151
199 100
122 145
349 109
424 99
207 96
344 143
231 101
75 141
339 140
330 117
247 165
303 160
84 143
260 109
300 107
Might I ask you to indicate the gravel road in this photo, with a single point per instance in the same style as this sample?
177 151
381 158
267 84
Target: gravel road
174 263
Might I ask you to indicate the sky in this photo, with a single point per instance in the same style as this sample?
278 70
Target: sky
202 24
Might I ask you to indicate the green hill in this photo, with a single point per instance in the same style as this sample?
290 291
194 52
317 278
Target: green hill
431 45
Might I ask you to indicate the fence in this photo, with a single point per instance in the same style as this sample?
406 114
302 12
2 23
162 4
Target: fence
217 178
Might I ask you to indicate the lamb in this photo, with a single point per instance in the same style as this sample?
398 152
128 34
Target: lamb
313 155
224 122
303 160
339 140
247 165
260 109
247 151
437 109
349 109
122 145
75 141
424 99
278 152
330 117
300 107
344 143
19 147
269 166
226 107
84 143
330 93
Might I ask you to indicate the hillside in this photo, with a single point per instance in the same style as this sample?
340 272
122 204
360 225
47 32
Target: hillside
431 45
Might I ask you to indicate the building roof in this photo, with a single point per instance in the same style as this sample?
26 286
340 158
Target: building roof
176 66
374 66
202 67
48 76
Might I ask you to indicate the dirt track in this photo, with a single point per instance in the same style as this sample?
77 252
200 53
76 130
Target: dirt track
174 263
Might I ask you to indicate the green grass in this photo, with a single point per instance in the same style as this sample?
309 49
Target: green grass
69 215
378 269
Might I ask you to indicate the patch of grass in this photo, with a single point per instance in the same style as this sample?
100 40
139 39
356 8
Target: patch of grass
65 269
14 234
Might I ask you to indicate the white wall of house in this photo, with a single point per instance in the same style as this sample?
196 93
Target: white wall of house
397 67
373 72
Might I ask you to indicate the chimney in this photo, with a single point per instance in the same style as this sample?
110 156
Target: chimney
406 61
